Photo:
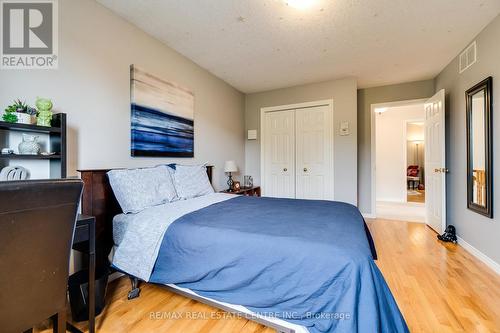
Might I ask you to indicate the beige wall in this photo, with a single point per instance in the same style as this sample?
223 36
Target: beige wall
92 87
479 231
343 93
367 97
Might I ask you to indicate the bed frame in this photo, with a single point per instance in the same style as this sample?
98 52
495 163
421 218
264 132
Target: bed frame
99 201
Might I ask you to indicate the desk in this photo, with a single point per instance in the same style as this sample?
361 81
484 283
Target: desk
85 233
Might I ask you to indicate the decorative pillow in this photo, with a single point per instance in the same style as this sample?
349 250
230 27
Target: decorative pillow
191 181
138 189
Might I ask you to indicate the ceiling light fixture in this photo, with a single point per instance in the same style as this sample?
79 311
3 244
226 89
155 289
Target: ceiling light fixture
300 4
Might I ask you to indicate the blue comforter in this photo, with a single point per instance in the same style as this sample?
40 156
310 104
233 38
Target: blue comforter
307 262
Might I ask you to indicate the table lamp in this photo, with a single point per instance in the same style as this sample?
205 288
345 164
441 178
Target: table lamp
230 167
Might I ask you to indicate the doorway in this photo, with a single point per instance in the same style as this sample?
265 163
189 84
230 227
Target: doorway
398 161
415 161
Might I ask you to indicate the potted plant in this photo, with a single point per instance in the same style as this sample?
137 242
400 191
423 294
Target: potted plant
23 116
20 112
9 115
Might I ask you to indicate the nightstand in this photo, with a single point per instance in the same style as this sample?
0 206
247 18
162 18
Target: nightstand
84 241
249 192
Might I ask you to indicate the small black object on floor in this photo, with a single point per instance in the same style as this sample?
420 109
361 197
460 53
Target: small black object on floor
449 235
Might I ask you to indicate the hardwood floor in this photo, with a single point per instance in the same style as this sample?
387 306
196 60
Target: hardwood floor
415 196
438 287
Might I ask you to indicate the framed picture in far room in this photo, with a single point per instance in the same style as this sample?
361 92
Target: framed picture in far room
162 117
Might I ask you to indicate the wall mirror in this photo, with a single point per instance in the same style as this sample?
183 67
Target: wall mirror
479 148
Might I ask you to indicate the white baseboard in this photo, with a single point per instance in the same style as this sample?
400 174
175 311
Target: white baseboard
480 255
369 215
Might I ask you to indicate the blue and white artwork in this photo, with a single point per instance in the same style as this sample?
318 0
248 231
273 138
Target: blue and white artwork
162 117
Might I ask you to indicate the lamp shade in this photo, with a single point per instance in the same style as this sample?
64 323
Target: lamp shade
230 166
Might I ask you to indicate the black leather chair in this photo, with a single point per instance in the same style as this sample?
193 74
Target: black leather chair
37 222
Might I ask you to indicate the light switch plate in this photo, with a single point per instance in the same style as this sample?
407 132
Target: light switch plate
344 128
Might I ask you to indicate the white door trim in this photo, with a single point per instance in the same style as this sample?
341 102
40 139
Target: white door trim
296 106
373 151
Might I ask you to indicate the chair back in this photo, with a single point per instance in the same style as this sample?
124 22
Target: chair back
412 171
37 222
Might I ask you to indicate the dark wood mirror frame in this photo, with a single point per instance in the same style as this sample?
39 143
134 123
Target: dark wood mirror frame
486 86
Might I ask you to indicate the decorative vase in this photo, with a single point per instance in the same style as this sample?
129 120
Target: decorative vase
29 145
44 118
44 106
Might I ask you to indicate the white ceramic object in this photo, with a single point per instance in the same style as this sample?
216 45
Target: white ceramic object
14 173
29 145
24 118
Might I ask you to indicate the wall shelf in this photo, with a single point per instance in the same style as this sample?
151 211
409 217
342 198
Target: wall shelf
30 157
56 142
28 128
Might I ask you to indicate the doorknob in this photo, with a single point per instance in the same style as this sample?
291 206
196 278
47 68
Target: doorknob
285 169
445 170
305 169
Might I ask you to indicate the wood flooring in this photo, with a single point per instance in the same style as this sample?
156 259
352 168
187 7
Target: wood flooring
438 287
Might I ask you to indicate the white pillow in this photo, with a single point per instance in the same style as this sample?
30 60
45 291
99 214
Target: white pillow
191 181
138 189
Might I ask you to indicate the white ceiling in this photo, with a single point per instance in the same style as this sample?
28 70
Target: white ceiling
258 45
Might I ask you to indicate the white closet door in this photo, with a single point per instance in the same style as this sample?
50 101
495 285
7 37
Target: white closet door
314 153
280 154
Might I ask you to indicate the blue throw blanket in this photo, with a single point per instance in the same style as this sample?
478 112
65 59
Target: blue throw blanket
305 261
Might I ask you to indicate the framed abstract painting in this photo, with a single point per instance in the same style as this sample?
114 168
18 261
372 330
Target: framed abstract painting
162 117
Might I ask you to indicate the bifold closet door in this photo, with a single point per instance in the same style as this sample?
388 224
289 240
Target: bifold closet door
314 153
279 153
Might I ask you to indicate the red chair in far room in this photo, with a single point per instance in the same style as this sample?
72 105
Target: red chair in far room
413 176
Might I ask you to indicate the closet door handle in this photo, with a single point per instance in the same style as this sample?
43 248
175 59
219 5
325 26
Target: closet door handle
285 169
305 169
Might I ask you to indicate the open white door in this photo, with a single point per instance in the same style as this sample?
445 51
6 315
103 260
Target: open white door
435 158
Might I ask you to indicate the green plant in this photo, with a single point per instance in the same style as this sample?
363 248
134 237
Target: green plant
20 106
10 108
10 117
31 111
10 111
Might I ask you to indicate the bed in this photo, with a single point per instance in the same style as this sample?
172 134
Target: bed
293 265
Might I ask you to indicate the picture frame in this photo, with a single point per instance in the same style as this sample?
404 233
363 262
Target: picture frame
236 186
162 117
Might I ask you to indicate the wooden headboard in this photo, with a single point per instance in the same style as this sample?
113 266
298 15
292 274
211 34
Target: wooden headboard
99 201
